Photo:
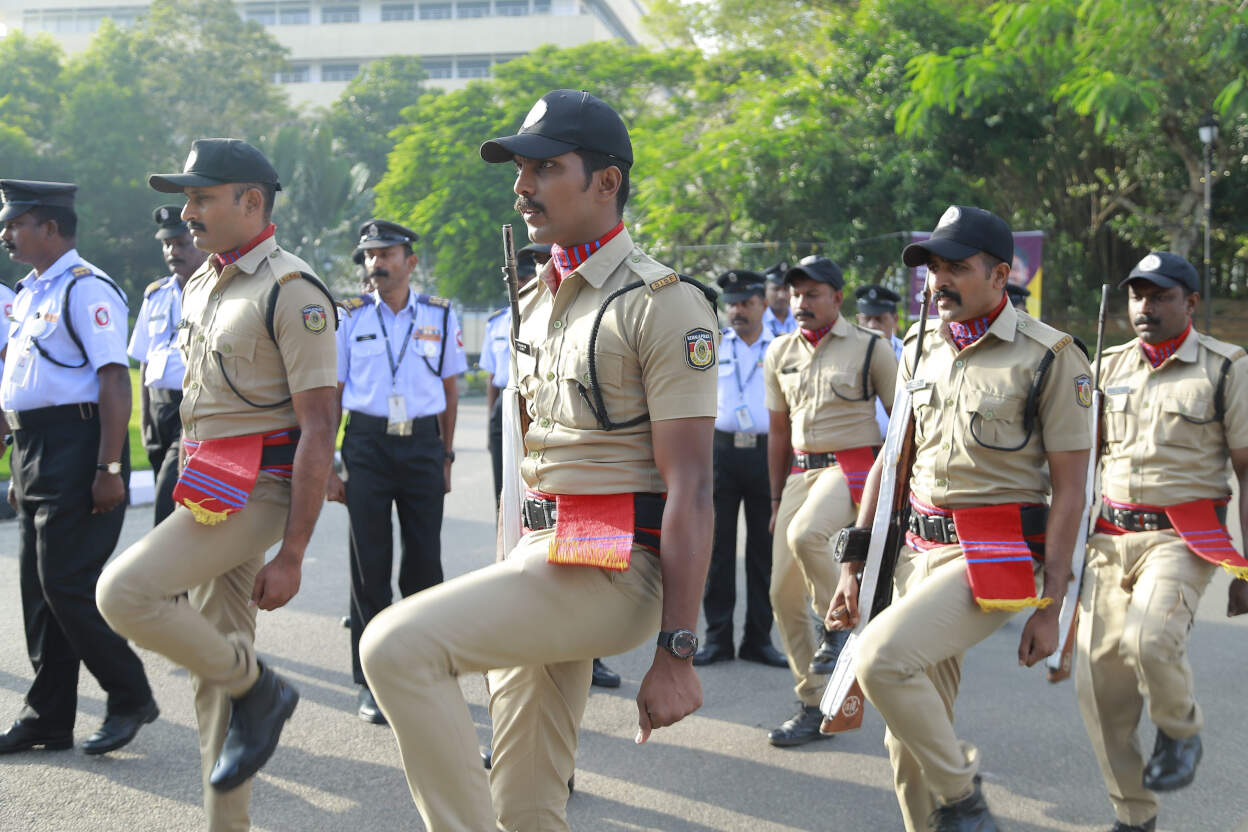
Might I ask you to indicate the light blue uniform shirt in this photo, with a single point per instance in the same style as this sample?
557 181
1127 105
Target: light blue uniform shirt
6 303
364 365
155 334
773 325
99 314
496 348
741 382
880 416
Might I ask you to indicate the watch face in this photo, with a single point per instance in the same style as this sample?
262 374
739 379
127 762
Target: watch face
684 643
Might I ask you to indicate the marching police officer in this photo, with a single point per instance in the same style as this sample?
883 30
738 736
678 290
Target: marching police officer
258 413
777 317
740 454
399 359
616 363
822 382
153 345
1176 410
66 399
877 310
1001 420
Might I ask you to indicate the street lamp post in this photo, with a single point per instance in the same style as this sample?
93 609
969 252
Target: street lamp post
1207 128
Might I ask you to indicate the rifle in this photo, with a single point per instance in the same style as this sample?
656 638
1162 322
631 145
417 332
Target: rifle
1068 619
510 522
842 699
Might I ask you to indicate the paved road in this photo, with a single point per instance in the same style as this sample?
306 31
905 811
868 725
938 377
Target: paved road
714 771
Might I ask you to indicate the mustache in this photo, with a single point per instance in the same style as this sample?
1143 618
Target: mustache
523 203
379 272
738 319
802 313
196 226
952 294
1140 320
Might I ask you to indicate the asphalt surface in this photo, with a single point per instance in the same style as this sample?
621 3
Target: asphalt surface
713 771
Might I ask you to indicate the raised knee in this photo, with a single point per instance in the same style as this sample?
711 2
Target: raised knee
872 664
115 602
1159 645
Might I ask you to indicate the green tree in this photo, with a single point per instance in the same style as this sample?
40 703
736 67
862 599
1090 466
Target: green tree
371 107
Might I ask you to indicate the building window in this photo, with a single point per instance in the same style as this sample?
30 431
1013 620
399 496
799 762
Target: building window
502 59
472 9
294 16
511 8
296 74
401 11
438 68
339 72
264 15
435 11
541 6
474 68
340 14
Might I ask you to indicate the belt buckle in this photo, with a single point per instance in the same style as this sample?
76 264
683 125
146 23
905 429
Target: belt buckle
951 530
741 439
1150 521
526 514
15 421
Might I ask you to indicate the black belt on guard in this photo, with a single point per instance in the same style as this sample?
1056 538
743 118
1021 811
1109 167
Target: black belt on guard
940 529
1146 521
540 513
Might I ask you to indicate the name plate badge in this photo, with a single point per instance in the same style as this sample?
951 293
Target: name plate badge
917 384
744 440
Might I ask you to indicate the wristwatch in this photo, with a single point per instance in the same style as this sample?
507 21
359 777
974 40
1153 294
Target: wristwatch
449 453
680 643
110 467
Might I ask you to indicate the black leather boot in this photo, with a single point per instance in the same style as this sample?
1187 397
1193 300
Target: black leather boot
970 814
1173 764
824 661
801 728
256 721
1147 826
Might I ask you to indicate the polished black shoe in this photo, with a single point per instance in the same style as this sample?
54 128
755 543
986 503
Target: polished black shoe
761 654
824 660
1173 764
970 814
367 707
119 729
1147 826
801 728
605 677
256 722
24 736
711 653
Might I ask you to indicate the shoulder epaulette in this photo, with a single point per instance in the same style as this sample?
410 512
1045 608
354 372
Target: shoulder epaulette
867 330
1221 348
913 332
655 274
154 285
1114 350
433 300
663 282
80 271
498 314
1042 333
354 302
286 278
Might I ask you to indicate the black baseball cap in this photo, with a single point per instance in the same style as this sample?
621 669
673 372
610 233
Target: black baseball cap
1017 293
168 219
1166 269
20 195
962 232
816 268
739 284
775 274
563 121
217 162
876 300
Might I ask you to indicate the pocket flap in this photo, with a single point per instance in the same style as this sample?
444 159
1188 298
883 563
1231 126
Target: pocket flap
233 345
992 406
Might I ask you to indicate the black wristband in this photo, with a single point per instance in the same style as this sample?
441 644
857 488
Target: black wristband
851 544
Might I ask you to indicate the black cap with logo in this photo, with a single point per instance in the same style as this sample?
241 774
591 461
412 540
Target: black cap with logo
1166 269
775 274
563 121
817 268
1018 294
876 300
20 195
739 285
963 232
377 233
217 162
168 218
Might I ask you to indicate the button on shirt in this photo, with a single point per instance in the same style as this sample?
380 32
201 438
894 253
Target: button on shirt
99 318
777 327
496 348
881 417
1163 444
741 382
154 340
364 366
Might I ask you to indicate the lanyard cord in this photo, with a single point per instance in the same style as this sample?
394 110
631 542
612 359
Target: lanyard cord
394 365
736 370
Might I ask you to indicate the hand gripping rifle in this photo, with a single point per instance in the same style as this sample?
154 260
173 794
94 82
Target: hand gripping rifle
842 702
510 522
1068 619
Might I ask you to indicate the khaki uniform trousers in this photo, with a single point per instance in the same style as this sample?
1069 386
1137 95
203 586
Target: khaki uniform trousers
210 631
1139 600
910 666
536 628
814 506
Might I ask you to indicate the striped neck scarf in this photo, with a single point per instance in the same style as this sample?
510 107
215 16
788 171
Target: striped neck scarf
814 336
225 258
568 260
1157 353
965 333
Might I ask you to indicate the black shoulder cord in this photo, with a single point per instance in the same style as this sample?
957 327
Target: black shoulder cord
1029 409
446 317
866 376
1219 398
69 325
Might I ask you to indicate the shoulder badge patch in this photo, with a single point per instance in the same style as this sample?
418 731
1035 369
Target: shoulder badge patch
699 348
314 317
80 271
434 300
664 281
1083 391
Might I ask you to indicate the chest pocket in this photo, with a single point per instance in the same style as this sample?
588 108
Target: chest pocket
574 407
925 412
1186 415
236 354
1117 412
792 384
995 421
845 386
368 349
155 326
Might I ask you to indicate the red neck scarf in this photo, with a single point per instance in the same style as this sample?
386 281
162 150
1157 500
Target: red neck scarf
1157 353
814 336
965 333
568 260
225 258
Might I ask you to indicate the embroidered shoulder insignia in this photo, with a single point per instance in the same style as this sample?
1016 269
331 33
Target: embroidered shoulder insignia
700 348
1083 391
80 271
286 278
153 286
353 303
434 300
498 314
314 318
1061 345
664 282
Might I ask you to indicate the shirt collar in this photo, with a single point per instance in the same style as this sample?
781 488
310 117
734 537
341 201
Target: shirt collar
410 306
600 265
1004 327
765 335
248 257
1187 351
62 264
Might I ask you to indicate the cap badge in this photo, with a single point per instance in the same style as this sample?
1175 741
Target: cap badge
372 231
164 215
1151 263
872 294
809 259
951 215
535 115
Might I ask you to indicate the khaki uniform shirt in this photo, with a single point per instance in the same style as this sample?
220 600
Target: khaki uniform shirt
225 316
821 387
655 354
981 392
1163 444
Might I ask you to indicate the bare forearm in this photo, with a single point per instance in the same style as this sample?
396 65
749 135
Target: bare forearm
688 524
491 396
871 493
779 453
145 417
446 419
114 411
1066 512
314 456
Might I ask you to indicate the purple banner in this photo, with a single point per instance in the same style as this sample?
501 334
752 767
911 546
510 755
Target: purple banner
1027 270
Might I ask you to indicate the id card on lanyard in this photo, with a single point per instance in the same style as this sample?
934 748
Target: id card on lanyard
397 422
745 421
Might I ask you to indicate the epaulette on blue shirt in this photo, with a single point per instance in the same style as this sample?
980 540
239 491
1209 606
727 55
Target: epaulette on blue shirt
80 271
434 300
155 284
498 314
349 305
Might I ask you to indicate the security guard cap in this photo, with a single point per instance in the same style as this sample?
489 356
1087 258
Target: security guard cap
739 285
168 218
775 274
877 300
961 233
563 121
217 162
816 268
382 234
1018 294
20 195
1166 269
538 252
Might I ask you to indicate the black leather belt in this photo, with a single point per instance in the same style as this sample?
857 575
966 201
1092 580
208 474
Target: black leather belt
809 462
1146 521
940 529
46 417
364 423
279 454
728 439
539 513
160 395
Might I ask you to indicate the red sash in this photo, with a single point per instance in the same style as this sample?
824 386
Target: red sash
593 530
1197 523
855 465
220 473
